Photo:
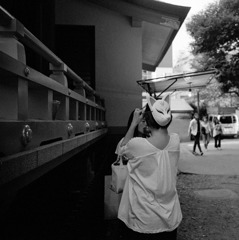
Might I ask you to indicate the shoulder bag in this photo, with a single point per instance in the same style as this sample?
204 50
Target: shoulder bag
119 174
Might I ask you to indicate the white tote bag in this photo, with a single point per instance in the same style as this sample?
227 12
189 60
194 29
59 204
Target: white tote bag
119 175
111 200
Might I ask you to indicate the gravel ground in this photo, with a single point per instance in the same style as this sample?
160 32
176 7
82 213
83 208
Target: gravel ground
213 216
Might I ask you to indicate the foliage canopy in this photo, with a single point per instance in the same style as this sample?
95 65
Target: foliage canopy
215 32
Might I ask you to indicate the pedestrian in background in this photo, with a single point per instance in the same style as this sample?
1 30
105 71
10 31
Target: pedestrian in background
195 129
217 134
206 131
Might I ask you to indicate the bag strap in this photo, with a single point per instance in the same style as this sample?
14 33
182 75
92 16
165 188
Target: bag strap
118 160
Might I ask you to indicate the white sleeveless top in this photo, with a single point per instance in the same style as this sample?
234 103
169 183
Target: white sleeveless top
150 201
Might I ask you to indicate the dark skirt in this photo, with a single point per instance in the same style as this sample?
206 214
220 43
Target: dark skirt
128 234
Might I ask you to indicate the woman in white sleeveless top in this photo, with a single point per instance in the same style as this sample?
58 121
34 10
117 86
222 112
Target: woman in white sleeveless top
150 206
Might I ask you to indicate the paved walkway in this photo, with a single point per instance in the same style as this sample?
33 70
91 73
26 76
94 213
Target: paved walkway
213 162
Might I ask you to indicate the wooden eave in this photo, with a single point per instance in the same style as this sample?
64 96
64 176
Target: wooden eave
160 22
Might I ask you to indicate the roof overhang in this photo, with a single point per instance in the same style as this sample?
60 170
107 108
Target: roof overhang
160 23
180 106
179 82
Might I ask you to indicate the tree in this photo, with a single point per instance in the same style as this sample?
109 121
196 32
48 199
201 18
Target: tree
216 38
202 109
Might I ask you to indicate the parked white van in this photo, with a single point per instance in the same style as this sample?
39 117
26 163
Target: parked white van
229 122
230 125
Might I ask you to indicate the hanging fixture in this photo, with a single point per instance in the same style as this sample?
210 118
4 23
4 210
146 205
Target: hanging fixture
187 79
190 87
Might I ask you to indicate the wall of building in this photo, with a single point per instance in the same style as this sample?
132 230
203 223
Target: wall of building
118 56
180 125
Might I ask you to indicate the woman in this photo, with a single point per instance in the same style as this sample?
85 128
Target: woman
217 133
150 206
206 130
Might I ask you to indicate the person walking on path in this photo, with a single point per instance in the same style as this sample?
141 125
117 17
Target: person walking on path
206 131
217 133
195 129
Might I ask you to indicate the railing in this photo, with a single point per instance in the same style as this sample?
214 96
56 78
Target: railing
41 119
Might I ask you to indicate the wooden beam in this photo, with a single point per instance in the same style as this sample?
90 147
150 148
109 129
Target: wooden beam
137 23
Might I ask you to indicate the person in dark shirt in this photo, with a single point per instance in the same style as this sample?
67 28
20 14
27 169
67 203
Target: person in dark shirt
195 129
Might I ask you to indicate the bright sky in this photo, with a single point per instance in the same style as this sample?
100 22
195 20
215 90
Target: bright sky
182 39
